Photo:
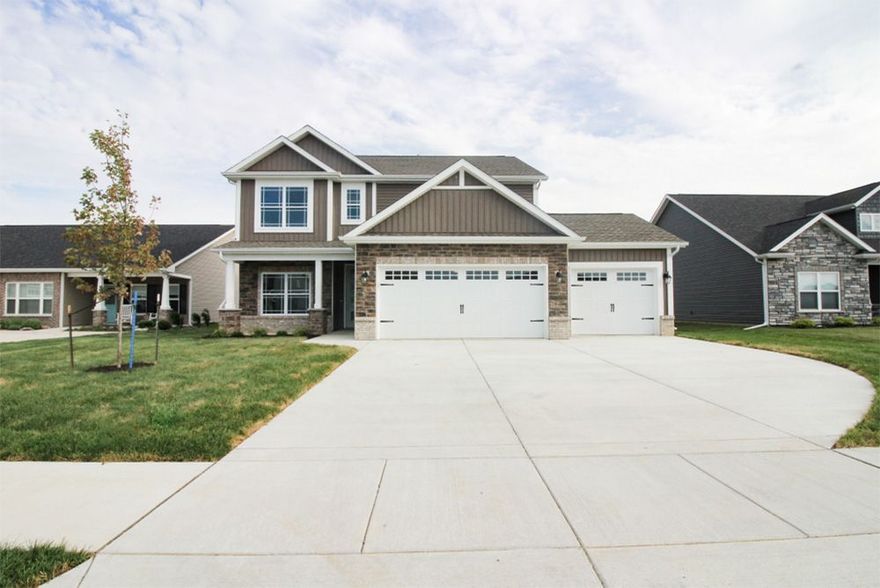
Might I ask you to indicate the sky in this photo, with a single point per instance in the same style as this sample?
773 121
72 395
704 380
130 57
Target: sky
617 102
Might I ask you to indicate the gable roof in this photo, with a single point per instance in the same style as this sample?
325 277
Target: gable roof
270 148
309 130
778 236
615 227
359 233
841 200
42 246
430 165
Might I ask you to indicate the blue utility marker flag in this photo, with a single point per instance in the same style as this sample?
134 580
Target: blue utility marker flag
133 322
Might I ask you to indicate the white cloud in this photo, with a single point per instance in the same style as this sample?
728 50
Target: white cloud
617 102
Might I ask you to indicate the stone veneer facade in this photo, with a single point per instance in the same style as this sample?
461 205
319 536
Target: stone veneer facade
47 321
819 248
370 255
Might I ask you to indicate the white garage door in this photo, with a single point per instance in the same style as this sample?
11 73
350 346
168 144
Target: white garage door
611 300
461 301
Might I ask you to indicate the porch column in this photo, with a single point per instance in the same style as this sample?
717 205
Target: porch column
319 285
165 303
229 301
100 304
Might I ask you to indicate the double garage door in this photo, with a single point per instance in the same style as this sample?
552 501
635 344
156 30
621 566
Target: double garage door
461 301
609 300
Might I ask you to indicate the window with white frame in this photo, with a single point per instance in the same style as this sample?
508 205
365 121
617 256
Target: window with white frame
353 203
286 293
174 297
818 291
29 298
284 206
869 222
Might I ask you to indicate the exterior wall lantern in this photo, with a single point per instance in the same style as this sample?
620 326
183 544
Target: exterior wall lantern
364 277
667 277
559 277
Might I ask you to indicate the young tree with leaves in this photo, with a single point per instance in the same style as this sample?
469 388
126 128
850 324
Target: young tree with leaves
111 238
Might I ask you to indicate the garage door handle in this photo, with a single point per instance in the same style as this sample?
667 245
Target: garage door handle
577 285
612 307
461 309
386 284
535 284
647 318
649 285
577 318
386 321
537 320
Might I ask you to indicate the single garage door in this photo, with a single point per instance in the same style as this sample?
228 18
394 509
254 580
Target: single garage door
461 301
611 300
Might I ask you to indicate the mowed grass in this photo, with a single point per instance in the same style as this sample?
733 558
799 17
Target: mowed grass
203 397
855 348
37 564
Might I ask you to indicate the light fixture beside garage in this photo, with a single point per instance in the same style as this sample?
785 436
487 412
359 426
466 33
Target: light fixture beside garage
364 277
559 277
667 277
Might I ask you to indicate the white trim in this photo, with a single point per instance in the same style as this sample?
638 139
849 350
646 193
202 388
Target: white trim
822 217
670 287
343 202
630 245
212 243
308 130
237 228
875 217
856 204
318 284
818 291
386 179
669 198
461 164
39 270
61 313
17 298
373 189
289 255
189 299
230 285
309 185
285 274
266 149
448 187
503 239
329 210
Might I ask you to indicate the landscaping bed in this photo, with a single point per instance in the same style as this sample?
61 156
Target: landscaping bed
204 396
854 348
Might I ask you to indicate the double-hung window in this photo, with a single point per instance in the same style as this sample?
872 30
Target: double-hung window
818 291
29 298
869 222
353 203
284 206
286 293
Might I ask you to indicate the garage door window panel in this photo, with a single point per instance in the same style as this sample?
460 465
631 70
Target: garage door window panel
441 275
632 276
481 274
592 277
527 275
396 275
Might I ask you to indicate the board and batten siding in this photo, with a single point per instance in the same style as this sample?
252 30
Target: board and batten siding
462 212
248 212
284 159
714 280
388 194
330 156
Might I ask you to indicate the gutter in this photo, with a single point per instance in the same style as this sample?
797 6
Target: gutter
766 323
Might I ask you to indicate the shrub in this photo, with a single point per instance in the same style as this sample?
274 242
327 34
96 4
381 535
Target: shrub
216 334
145 324
14 324
206 317
876 321
301 332
176 319
281 333
844 321
803 323
260 332
236 334
164 325
196 319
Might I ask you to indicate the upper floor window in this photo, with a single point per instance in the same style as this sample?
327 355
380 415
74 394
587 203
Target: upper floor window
818 290
29 298
353 203
869 222
284 206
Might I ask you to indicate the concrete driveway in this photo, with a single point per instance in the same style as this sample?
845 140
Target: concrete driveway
597 461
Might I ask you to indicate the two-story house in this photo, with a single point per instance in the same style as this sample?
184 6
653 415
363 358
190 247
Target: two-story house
771 259
401 246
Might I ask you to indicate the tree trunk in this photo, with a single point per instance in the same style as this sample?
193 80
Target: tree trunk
118 331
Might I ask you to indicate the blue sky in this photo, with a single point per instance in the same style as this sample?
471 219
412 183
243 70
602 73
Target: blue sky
618 102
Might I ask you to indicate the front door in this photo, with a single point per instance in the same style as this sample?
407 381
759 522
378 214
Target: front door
348 296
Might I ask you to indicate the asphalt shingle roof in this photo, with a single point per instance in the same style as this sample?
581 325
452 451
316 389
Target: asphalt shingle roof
42 246
844 198
429 165
614 227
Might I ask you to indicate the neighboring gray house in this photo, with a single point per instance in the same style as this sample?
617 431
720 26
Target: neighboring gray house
756 259
403 246
35 281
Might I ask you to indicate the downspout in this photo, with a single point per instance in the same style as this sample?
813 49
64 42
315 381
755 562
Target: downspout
766 322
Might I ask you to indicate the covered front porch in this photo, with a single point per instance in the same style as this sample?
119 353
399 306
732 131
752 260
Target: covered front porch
160 295
310 293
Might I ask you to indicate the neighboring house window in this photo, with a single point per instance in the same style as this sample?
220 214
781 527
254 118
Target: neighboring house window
869 222
174 297
284 206
353 206
29 298
141 291
819 290
286 293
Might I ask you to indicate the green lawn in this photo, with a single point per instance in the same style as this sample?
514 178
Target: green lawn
856 348
35 565
204 397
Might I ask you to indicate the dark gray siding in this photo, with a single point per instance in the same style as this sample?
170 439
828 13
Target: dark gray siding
715 281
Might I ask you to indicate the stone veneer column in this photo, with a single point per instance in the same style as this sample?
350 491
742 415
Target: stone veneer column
667 325
317 322
230 320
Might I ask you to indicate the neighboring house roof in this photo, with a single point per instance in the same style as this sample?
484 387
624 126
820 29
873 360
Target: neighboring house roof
282 244
614 227
42 246
848 198
429 165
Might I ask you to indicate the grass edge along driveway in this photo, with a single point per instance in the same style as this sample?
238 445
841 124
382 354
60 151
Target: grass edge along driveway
853 348
201 400
36 564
